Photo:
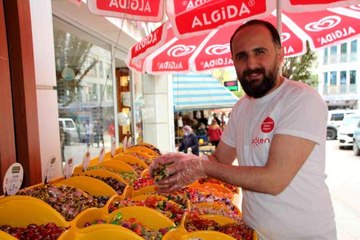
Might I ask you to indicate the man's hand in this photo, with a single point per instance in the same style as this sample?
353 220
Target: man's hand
181 170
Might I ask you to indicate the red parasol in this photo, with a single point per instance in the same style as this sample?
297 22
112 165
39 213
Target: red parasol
203 52
190 17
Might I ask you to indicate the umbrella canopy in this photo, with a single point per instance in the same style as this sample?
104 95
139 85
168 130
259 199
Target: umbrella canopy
190 17
168 53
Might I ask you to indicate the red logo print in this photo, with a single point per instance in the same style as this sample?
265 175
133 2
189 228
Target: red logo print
267 125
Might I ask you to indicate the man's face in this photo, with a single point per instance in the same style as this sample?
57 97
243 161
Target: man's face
256 60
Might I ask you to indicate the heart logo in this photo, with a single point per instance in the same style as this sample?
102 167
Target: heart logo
218 49
323 24
180 50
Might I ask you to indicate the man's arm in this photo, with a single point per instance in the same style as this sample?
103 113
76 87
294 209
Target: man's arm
286 156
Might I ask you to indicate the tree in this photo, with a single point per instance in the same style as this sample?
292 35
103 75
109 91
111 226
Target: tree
299 68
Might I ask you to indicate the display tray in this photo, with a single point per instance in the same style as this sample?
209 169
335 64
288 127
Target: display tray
21 211
181 232
94 222
142 149
90 185
107 174
130 159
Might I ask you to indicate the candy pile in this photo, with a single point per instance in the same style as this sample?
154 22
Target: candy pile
68 201
34 232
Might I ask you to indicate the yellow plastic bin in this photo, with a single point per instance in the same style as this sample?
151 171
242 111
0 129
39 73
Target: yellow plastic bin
90 185
104 174
20 211
100 231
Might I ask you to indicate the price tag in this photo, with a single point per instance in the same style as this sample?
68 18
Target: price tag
101 155
13 179
86 160
68 168
113 146
49 170
124 143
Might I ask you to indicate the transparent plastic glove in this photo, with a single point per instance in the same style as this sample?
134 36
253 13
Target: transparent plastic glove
182 172
165 159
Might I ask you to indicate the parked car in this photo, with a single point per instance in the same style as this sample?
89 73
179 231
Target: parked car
335 118
69 126
356 139
347 129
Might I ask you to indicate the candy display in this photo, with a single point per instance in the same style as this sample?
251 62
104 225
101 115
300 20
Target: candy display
114 183
169 208
68 201
159 173
238 230
34 232
118 198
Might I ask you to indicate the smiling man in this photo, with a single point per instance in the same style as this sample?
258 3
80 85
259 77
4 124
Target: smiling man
277 133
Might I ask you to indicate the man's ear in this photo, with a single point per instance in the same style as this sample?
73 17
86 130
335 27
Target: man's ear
281 54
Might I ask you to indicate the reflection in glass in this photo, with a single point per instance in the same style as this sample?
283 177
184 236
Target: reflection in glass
85 95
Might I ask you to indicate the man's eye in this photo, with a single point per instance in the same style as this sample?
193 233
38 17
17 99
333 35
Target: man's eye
241 56
259 52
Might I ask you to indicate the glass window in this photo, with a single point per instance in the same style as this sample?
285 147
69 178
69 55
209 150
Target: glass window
82 62
326 78
333 52
353 50
326 56
352 77
333 78
343 52
337 117
343 77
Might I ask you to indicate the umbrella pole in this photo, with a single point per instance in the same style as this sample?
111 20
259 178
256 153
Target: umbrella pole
279 16
279 21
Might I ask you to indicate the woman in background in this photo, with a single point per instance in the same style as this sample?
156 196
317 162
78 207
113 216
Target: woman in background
214 132
189 140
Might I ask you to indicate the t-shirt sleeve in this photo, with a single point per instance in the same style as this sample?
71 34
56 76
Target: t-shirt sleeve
304 114
228 135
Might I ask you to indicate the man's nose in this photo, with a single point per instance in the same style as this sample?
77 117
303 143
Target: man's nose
251 62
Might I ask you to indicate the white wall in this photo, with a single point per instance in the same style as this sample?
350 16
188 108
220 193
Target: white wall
44 60
158 112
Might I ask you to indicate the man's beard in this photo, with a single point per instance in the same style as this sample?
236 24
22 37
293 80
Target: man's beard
258 89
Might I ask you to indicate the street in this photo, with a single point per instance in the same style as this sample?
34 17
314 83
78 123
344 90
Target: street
342 168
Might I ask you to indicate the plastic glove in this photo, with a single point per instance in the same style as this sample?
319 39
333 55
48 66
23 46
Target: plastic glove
165 159
183 169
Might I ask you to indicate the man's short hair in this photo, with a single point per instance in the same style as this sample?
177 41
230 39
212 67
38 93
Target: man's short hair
273 31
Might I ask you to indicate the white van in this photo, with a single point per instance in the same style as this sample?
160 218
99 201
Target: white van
69 126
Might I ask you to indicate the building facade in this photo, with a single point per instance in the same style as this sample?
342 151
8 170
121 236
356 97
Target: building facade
339 74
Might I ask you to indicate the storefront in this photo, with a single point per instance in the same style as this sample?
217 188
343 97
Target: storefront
69 74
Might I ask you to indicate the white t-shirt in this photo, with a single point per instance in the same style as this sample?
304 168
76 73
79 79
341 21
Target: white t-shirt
304 209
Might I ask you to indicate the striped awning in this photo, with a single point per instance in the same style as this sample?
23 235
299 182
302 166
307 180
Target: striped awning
200 91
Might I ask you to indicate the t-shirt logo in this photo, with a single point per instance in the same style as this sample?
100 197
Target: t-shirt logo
267 125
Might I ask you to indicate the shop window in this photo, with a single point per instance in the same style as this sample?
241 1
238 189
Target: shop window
83 73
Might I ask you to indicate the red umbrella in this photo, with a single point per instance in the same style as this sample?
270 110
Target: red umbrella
203 52
190 17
